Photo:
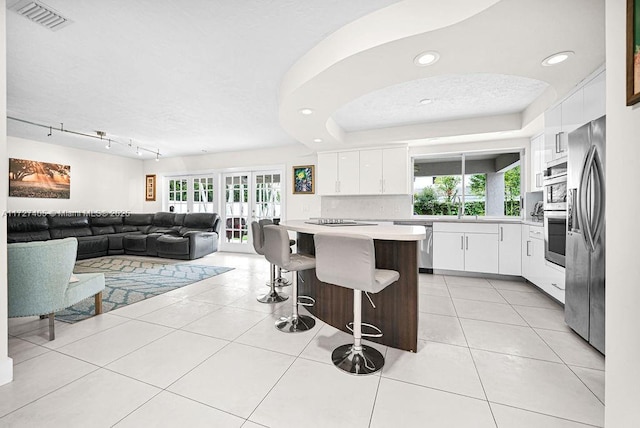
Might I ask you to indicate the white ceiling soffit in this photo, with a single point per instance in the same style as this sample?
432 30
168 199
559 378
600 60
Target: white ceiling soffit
503 38
179 76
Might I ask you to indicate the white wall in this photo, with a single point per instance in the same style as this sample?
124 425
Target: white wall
298 206
99 181
623 234
6 364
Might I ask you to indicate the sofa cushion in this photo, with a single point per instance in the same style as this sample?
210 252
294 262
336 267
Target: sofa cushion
141 222
125 228
135 243
163 219
68 221
105 220
17 223
102 230
203 222
27 228
38 235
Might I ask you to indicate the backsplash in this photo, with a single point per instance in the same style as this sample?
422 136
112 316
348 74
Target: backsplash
374 207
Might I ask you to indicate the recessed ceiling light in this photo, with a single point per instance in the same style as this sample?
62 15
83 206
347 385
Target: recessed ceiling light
317 140
557 58
426 58
426 101
305 111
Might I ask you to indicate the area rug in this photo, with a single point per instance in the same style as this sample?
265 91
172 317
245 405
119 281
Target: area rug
130 280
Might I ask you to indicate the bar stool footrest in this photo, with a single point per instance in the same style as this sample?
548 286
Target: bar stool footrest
378 332
306 301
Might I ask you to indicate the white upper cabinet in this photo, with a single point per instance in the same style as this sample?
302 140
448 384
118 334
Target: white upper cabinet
338 173
585 104
364 172
552 133
595 97
371 172
395 171
537 162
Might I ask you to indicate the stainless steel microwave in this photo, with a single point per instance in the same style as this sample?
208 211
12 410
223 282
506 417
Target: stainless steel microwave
555 186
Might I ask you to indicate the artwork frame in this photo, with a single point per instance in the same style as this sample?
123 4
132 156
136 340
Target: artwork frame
150 188
633 52
37 179
304 180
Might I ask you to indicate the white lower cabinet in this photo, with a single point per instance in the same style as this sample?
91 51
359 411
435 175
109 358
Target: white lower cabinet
510 249
535 268
470 247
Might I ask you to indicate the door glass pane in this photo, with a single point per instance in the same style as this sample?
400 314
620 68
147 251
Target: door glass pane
267 196
237 208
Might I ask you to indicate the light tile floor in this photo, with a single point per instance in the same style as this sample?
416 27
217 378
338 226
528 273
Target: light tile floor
491 354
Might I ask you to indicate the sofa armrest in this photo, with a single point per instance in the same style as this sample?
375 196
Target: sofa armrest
201 243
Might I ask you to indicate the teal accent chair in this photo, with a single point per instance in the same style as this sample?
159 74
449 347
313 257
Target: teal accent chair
40 279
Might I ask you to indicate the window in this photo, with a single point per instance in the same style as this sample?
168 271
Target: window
190 194
475 184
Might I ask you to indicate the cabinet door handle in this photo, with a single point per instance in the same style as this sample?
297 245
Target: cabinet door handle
539 179
528 254
556 285
381 186
560 149
383 183
467 239
462 242
501 234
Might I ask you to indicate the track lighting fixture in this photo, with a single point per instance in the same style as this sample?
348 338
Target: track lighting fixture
98 135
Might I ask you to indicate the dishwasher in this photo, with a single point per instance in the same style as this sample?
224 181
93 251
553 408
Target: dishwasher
425 247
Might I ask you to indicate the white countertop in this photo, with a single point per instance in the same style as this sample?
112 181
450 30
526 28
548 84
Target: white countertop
381 232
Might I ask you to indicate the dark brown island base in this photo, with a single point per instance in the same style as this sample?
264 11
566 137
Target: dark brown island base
396 311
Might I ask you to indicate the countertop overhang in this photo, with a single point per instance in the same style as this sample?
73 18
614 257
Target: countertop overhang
380 232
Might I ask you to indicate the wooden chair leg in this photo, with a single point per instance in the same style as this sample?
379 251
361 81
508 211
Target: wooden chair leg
98 299
52 332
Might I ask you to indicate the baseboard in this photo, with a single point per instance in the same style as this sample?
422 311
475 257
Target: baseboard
6 370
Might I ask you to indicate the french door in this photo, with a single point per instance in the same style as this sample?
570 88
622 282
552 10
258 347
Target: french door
248 196
187 194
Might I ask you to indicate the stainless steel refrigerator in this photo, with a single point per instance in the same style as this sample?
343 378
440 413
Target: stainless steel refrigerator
585 252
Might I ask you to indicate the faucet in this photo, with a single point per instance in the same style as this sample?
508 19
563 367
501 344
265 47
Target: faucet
459 203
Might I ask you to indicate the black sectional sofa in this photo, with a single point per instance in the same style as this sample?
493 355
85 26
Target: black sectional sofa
176 236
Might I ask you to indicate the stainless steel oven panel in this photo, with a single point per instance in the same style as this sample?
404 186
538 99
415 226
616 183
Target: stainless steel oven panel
555 236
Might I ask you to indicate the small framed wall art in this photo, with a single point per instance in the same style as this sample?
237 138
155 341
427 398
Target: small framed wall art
303 180
150 187
633 52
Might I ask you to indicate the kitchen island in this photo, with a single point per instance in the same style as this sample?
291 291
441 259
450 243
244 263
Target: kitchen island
396 312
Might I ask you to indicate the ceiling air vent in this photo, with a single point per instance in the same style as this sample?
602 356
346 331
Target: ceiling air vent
41 14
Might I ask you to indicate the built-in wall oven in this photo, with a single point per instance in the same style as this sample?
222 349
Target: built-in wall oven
555 211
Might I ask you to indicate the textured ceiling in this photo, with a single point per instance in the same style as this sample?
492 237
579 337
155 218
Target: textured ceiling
461 96
187 77
181 76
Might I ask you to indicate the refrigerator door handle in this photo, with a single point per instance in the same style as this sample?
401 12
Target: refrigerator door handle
585 220
599 196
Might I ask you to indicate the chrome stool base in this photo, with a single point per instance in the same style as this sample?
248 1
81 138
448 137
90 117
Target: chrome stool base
273 297
295 324
282 282
367 361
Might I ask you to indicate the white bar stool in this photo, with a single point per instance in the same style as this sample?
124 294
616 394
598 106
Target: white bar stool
280 281
258 244
350 261
277 251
